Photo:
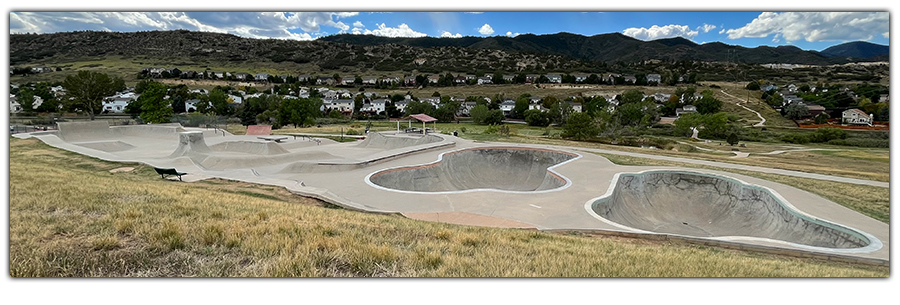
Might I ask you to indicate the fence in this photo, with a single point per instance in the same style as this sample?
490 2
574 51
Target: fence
219 123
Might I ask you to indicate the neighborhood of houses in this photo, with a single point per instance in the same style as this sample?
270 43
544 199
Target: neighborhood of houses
342 100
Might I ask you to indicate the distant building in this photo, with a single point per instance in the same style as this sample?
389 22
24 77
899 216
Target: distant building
856 117
686 109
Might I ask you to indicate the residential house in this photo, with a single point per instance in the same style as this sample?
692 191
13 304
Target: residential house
814 109
661 97
349 81
375 107
242 76
14 106
174 72
189 74
433 100
470 77
117 103
237 99
465 108
767 88
884 98
200 91
508 78
390 79
554 78
460 79
630 79
575 106
343 105
654 79
434 79
369 80
41 69
484 80
191 105
303 77
507 106
409 81
401 105
610 78
156 72
262 77
531 78
219 75
325 80
792 88
580 78
686 109
856 117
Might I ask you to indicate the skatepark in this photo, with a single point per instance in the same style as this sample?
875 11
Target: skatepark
444 178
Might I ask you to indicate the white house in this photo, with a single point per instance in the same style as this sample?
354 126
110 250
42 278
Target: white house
485 80
191 105
554 78
654 78
117 103
685 110
507 106
575 106
262 77
375 106
401 105
343 105
856 117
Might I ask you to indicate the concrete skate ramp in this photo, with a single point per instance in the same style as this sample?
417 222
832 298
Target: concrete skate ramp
156 131
380 141
107 146
190 142
193 145
250 147
705 205
83 131
498 168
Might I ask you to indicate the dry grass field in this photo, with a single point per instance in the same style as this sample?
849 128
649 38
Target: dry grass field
70 217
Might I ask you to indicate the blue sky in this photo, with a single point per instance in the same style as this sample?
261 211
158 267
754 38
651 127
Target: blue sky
806 30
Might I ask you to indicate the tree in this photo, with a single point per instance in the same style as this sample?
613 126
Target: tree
479 114
822 118
494 117
754 85
594 105
25 97
155 107
299 112
518 111
632 96
436 94
536 117
825 134
708 104
219 102
580 126
796 111
560 112
88 89
685 125
416 107
732 139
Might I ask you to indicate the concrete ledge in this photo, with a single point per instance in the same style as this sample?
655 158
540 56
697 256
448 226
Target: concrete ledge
733 245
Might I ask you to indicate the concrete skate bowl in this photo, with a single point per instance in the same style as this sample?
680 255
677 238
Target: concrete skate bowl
718 207
107 146
74 132
250 147
238 154
379 141
507 169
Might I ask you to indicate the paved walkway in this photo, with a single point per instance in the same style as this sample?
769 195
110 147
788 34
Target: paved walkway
728 165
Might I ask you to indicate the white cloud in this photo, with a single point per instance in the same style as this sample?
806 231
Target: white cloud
297 26
775 38
815 26
722 31
486 29
401 30
358 25
511 34
659 32
346 14
706 28
886 34
446 34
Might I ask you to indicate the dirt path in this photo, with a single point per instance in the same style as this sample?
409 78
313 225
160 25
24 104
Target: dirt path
763 120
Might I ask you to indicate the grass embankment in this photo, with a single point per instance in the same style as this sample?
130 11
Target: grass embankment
868 200
70 217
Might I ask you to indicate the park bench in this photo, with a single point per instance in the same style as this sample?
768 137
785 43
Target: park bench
163 172
276 139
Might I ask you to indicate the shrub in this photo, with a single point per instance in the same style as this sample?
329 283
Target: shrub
352 132
859 142
795 138
826 134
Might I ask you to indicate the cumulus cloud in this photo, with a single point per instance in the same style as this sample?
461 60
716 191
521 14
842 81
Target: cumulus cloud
659 32
511 34
486 29
401 30
816 26
706 28
297 26
722 31
358 25
446 34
